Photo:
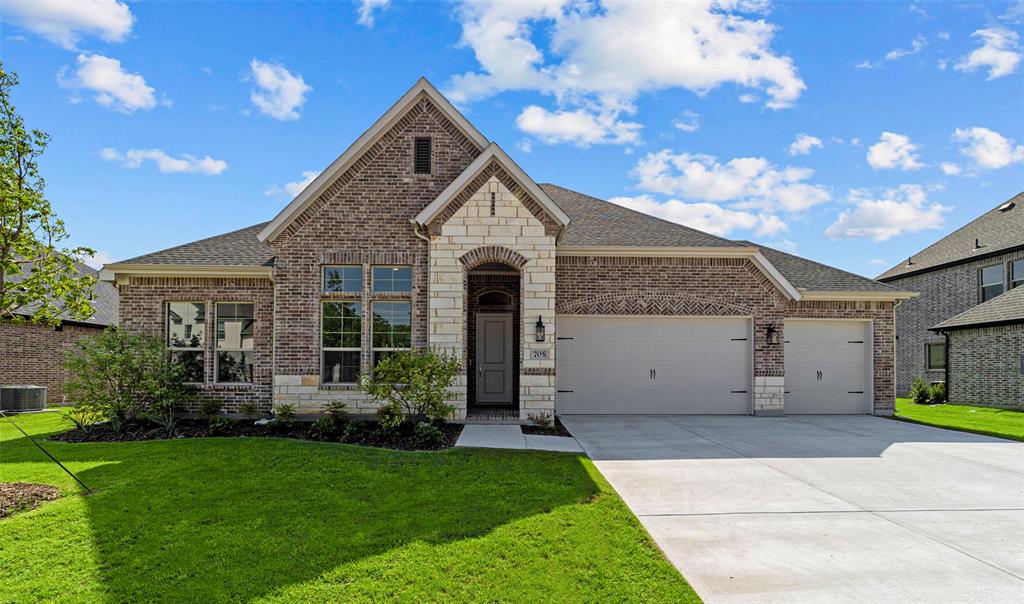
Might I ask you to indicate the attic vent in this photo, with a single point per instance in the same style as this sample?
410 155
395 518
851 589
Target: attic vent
421 156
1006 207
910 261
977 244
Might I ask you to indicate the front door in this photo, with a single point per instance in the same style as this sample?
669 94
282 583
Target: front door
494 358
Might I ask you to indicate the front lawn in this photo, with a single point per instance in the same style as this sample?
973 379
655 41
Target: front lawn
1004 423
273 519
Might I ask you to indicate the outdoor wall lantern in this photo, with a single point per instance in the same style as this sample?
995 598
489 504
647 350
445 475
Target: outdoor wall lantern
773 335
540 329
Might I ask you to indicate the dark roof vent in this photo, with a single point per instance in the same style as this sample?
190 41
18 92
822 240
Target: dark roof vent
910 261
421 156
977 244
1006 207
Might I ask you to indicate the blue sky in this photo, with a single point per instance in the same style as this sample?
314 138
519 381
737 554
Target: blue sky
850 133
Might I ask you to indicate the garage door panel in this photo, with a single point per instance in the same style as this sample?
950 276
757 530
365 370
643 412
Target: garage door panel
604 364
826 367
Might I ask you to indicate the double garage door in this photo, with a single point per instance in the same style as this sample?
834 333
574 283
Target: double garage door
701 365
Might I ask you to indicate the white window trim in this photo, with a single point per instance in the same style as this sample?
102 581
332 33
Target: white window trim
323 349
323 279
167 333
217 349
373 280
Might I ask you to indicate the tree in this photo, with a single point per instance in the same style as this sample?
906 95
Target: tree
36 275
417 383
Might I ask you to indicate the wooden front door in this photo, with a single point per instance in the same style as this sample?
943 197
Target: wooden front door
494 350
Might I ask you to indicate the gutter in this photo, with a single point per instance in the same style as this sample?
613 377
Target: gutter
113 272
920 271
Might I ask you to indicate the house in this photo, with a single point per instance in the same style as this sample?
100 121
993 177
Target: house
425 233
972 265
33 353
985 352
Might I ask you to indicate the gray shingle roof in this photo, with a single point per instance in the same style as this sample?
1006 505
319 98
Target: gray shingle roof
595 222
104 301
1008 307
995 230
813 276
237 248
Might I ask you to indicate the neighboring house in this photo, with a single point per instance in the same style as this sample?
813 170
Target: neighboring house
985 352
425 233
967 267
33 353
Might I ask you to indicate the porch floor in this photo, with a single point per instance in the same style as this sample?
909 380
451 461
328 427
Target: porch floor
486 414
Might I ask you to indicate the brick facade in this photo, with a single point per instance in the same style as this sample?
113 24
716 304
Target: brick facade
945 293
143 309
986 366
33 354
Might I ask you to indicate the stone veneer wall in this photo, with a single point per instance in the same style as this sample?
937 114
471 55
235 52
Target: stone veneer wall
945 293
33 354
718 287
143 309
986 366
472 236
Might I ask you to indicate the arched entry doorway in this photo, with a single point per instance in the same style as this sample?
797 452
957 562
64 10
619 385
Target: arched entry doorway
493 333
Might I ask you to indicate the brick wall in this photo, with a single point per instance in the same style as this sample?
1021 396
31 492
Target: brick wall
143 309
945 293
34 354
985 366
717 287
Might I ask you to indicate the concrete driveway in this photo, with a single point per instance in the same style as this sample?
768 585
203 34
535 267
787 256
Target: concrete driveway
821 509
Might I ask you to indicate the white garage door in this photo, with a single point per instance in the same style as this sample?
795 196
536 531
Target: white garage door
611 364
826 367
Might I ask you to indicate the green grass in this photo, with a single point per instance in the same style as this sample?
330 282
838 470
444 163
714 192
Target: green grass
277 520
1004 423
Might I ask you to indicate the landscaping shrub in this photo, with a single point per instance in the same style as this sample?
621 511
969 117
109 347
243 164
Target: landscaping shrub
250 410
389 418
542 420
919 391
284 417
119 376
937 393
331 424
221 425
415 383
428 436
164 413
83 417
354 432
209 408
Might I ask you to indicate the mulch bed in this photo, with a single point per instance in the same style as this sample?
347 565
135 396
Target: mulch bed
23 496
404 440
556 429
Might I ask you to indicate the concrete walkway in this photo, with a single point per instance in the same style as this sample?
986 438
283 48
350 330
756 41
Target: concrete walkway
821 509
491 436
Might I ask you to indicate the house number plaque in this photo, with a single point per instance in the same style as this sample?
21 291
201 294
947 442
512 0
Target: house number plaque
539 355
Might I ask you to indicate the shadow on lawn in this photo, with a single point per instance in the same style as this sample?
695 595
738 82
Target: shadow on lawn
237 519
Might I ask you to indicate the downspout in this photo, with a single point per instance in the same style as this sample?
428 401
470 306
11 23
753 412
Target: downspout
945 352
416 230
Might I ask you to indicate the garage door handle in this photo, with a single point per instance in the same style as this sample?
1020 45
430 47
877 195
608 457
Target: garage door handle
739 339
737 391
855 341
855 392
563 338
565 391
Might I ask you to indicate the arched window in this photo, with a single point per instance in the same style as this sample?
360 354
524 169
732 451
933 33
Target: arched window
494 298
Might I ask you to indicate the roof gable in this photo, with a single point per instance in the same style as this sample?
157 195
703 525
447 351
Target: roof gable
998 230
351 156
1004 308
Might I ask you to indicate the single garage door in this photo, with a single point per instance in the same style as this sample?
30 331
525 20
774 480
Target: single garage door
607 364
826 366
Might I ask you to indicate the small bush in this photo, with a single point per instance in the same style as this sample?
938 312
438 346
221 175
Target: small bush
937 393
354 432
542 420
417 383
210 407
390 417
428 436
284 413
250 410
221 425
164 413
919 391
83 417
331 424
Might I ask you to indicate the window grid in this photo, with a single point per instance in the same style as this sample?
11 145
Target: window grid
341 333
235 335
935 355
990 281
392 279
391 329
346 278
186 337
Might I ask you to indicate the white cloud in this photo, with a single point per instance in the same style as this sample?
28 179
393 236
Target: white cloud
279 93
580 127
894 151
877 261
865 64
943 35
98 259
1000 52
989 149
111 85
916 46
751 182
949 168
786 245
133 158
895 212
688 122
292 189
603 56
368 7
748 98
65 23
803 143
708 217
1014 13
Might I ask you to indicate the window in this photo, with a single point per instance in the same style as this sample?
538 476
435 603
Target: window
341 340
494 298
186 336
421 156
991 282
391 279
235 354
345 279
935 356
392 328
1016 273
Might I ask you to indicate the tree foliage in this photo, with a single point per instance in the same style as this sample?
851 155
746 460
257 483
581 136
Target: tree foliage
416 383
37 275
